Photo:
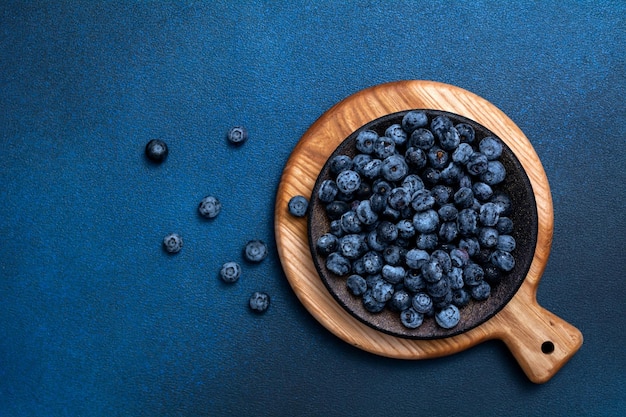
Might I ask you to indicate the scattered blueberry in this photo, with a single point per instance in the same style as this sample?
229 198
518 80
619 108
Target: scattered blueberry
448 317
259 302
237 135
298 206
356 284
172 243
255 251
230 272
209 207
156 150
411 319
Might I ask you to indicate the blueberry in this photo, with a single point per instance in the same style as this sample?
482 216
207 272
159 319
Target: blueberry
448 317
172 243
375 242
335 209
365 141
356 284
399 198
448 212
455 277
422 303
255 251
467 221
394 255
466 132
464 198
452 173
327 244
422 200
431 175
489 214
156 150
459 257
449 138
371 170
328 191
348 181
438 289
493 274
487 237
448 231
393 274
504 225
298 206
394 168
237 135
415 258
482 191
480 292
382 291
473 274
437 157
358 267
230 272
364 191
382 187
259 302
503 260
405 228
387 231
411 319
426 221
415 157
340 163
506 243
443 301
350 222
503 201
443 258
427 241
372 262
477 163
412 183
337 264
400 300
364 212
378 202
441 193
335 228
490 147
431 270
462 153
460 297
397 134
494 174
413 281
209 207
352 246
422 139
440 124
371 304
359 161
470 245
414 119
384 147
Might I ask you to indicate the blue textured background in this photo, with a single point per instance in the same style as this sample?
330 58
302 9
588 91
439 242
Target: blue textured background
95 320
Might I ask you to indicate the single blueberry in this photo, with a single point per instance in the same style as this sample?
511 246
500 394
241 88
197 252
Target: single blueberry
399 198
414 119
455 277
298 206
400 300
209 207
415 258
489 214
438 289
356 284
375 242
259 302
412 183
397 134
466 132
411 319
441 193
359 161
493 274
348 181
473 274
448 212
358 267
477 163
413 281
327 244
459 257
371 304
452 173
373 262
382 187
393 274
448 317
506 243
415 158
384 147
156 150
437 157
365 141
480 292
382 291
394 168
371 170
337 264
448 231
427 241
340 163
255 251
482 191
422 200
426 221
462 153
364 212
491 147
387 231
406 230
470 245
494 174
503 201
422 139
466 222
350 222
237 135
230 272
431 270
503 260
422 303
173 243
431 175
440 124
352 246
487 237
460 297
504 225
335 228
464 198
449 138
328 191
394 255
335 209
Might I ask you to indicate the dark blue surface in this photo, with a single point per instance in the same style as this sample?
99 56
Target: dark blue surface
96 320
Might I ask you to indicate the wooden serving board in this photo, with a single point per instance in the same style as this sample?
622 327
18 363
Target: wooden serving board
540 341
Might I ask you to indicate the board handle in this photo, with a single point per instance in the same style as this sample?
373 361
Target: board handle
540 341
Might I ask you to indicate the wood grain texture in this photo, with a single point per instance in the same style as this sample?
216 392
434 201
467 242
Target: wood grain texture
522 324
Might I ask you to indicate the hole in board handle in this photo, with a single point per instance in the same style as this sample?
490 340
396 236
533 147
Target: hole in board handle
547 347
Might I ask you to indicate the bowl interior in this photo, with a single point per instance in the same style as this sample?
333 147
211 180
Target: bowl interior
524 216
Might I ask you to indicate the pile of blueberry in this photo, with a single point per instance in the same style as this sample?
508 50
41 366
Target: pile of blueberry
209 207
419 221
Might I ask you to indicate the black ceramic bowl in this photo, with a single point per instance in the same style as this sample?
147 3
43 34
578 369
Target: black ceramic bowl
524 216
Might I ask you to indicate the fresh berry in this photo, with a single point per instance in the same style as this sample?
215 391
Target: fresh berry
237 135
172 243
230 272
156 150
259 302
448 317
298 206
411 319
209 207
356 284
413 120
255 251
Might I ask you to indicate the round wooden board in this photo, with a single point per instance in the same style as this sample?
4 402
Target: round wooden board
540 341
